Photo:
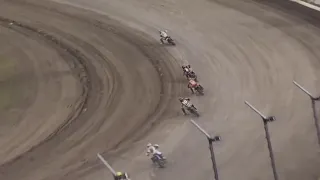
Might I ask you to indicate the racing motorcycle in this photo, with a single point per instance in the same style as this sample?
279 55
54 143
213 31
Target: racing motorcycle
193 111
159 160
199 89
170 41
189 73
192 75
193 85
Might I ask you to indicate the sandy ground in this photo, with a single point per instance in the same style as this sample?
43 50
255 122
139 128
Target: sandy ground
102 79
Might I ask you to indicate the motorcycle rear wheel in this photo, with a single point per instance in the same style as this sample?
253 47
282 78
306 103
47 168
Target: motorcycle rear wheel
194 112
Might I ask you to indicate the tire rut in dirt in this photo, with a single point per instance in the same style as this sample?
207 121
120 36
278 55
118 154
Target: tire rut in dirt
158 57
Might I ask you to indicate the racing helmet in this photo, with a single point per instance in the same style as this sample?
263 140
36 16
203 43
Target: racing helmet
180 99
149 144
156 146
119 173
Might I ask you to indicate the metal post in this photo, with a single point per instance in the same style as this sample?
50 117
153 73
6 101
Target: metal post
303 89
213 159
313 105
316 120
273 164
210 140
265 123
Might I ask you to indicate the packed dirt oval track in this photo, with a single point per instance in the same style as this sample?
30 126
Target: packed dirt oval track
85 77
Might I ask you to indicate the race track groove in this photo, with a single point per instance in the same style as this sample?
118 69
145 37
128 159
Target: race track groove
241 50
115 88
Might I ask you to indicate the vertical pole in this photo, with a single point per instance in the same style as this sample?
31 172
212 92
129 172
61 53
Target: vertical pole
210 140
273 164
266 129
213 159
316 120
313 101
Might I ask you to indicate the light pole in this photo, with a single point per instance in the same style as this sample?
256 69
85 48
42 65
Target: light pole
313 105
115 176
265 123
210 141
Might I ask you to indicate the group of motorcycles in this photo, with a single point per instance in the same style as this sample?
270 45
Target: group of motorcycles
193 83
191 76
194 86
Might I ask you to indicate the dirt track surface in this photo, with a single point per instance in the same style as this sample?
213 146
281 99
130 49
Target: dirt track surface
94 67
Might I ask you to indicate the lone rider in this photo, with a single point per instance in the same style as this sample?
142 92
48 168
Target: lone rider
187 68
121 176
185 102
163 35
192 85
153 150
188 72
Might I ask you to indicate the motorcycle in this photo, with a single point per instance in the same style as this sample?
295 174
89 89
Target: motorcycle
189 74
159 160
170 41
195 86
194 111
199 89
192 75
125 177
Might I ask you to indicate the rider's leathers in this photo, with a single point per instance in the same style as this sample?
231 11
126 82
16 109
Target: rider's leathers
192 85
124 176
186 103
163 36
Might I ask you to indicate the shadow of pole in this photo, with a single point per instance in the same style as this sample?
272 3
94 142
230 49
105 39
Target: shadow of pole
316 119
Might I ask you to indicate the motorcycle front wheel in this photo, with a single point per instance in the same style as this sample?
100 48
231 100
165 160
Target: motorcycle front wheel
171 42
200 90
195 112
161 163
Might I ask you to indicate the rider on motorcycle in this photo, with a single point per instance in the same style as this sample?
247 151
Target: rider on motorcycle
185 102
163 35
188 72
121 176
153 150
187 68
192 85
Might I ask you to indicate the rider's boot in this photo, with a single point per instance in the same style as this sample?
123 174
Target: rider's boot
153 160
184 111
161 40
192 91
